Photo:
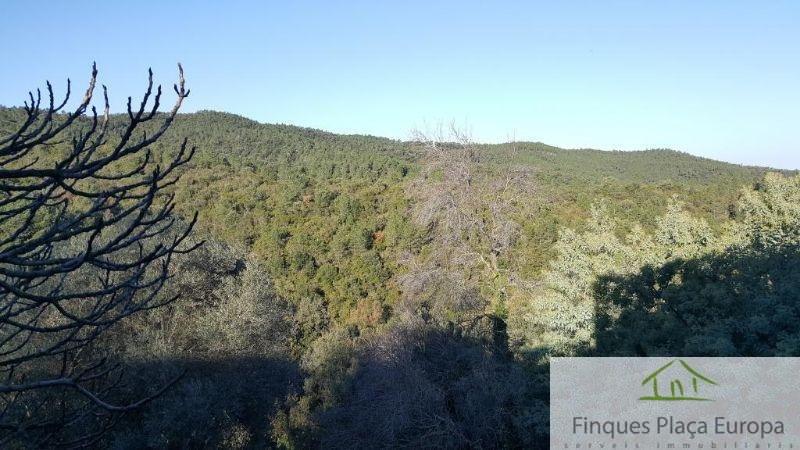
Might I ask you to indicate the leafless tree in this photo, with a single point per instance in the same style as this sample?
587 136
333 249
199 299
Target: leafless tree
467 209
87 234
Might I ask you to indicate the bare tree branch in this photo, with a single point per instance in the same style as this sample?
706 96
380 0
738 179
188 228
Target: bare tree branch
87 234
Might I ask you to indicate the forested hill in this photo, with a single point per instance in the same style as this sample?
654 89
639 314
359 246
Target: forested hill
357 291
567 181
429 272
331 213
644 166
223 136
250 181
229 135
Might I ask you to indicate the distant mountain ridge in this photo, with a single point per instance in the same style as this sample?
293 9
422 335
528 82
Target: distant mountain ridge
234 132
616 162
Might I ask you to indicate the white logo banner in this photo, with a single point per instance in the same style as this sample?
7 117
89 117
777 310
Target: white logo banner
675 403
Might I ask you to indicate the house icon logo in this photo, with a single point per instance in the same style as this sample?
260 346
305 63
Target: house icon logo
674 381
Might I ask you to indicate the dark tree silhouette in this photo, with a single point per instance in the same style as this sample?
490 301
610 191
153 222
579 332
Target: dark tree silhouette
739 302
86 239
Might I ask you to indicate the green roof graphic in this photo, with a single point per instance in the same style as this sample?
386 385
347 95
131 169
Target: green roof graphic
677 391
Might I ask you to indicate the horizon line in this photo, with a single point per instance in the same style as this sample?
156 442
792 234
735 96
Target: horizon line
476 142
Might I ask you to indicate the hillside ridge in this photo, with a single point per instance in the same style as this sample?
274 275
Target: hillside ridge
228 122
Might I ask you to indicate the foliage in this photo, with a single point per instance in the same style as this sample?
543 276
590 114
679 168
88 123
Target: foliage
420 386
362 292
680 290
229 333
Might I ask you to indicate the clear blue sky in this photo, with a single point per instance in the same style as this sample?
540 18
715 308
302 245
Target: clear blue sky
716 79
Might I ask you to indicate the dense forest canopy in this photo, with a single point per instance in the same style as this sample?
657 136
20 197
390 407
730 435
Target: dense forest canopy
355 291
